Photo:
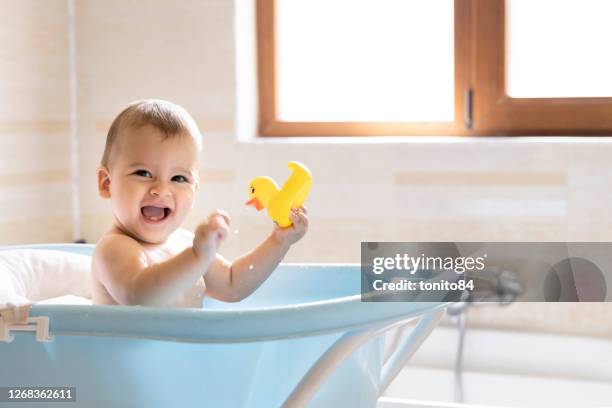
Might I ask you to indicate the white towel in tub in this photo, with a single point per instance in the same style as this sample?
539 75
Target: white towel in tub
44 276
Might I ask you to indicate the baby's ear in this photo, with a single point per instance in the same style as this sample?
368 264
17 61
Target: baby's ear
103 182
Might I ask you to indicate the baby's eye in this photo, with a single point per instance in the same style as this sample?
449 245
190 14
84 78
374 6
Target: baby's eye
180 179
143 173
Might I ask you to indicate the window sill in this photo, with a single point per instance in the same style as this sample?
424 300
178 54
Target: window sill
327 140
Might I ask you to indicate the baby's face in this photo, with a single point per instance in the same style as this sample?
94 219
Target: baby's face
152 182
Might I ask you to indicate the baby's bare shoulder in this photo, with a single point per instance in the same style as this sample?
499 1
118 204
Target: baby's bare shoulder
111 243
116 261
115 251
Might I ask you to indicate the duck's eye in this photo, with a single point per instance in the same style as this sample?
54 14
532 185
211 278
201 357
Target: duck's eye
180 179
252 190
143 173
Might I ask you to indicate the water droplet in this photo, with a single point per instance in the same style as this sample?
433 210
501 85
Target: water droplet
250 266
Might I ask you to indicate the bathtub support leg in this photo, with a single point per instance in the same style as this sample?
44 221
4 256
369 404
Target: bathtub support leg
408 347
333 357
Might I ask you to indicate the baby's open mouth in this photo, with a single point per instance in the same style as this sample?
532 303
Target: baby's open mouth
155 214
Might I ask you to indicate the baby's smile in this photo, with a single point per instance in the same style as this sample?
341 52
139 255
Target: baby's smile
154 214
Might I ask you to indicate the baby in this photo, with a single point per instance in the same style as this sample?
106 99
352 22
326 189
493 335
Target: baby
149 171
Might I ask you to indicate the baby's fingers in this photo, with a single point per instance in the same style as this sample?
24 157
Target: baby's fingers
301 210
220 227
304 220
221 213
221 233
299 218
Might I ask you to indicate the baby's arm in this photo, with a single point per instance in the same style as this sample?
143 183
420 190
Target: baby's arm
123 269
232 282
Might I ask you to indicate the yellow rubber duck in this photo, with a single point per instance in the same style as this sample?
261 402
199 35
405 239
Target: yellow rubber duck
264 193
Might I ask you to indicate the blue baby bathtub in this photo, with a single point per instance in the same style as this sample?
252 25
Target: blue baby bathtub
304 338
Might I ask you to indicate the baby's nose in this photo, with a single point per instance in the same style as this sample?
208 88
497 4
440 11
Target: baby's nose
160 189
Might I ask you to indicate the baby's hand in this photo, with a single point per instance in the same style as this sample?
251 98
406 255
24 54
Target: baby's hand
210 234
295 232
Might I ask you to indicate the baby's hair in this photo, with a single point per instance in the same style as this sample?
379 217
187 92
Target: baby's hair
167 117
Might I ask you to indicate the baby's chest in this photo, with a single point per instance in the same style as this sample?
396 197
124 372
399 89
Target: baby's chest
158 255
166 251
192 297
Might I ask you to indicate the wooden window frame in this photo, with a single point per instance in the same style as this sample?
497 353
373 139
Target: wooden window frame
482 106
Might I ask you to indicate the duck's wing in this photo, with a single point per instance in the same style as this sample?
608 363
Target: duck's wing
296 188
301 195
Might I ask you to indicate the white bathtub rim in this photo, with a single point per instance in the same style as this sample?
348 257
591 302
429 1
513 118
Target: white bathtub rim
520 353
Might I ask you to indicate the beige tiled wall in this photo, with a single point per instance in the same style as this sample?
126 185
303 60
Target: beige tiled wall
34 146
419 190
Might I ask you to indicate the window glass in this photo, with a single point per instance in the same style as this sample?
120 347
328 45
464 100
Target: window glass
558 48
365 60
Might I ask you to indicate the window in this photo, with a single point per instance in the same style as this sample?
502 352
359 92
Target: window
434 67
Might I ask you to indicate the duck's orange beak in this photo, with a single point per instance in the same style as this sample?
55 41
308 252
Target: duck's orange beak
255 203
